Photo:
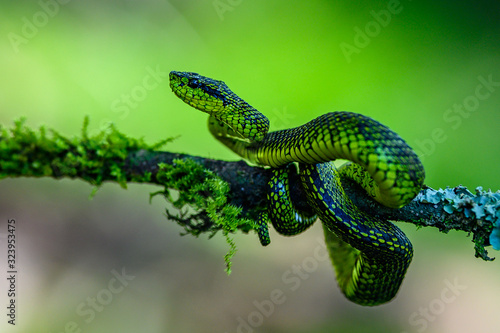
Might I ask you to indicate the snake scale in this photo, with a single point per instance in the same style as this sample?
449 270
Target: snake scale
370 256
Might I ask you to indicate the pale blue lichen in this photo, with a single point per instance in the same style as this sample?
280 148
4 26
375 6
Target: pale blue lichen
483 205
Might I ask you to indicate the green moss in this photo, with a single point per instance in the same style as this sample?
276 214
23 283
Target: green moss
201 194
102 157
46 153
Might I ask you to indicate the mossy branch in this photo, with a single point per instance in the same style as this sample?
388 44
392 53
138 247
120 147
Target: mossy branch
211 195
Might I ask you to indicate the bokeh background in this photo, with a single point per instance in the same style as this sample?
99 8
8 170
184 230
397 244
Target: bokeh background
417 66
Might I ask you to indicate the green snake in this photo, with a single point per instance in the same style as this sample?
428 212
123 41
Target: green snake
370 256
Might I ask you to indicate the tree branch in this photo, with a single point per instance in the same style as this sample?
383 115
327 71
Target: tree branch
212 195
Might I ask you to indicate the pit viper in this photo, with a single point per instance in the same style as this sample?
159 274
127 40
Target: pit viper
370 256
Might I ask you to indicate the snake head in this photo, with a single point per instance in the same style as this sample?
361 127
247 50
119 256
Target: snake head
202 93
215 98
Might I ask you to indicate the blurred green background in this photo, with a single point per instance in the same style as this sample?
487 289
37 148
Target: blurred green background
418 67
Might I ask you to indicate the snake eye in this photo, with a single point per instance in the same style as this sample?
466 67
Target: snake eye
193 83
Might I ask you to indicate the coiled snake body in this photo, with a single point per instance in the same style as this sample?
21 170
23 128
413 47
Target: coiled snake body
370 256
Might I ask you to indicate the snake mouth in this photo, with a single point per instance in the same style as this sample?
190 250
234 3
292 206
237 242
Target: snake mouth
176 82
182 88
